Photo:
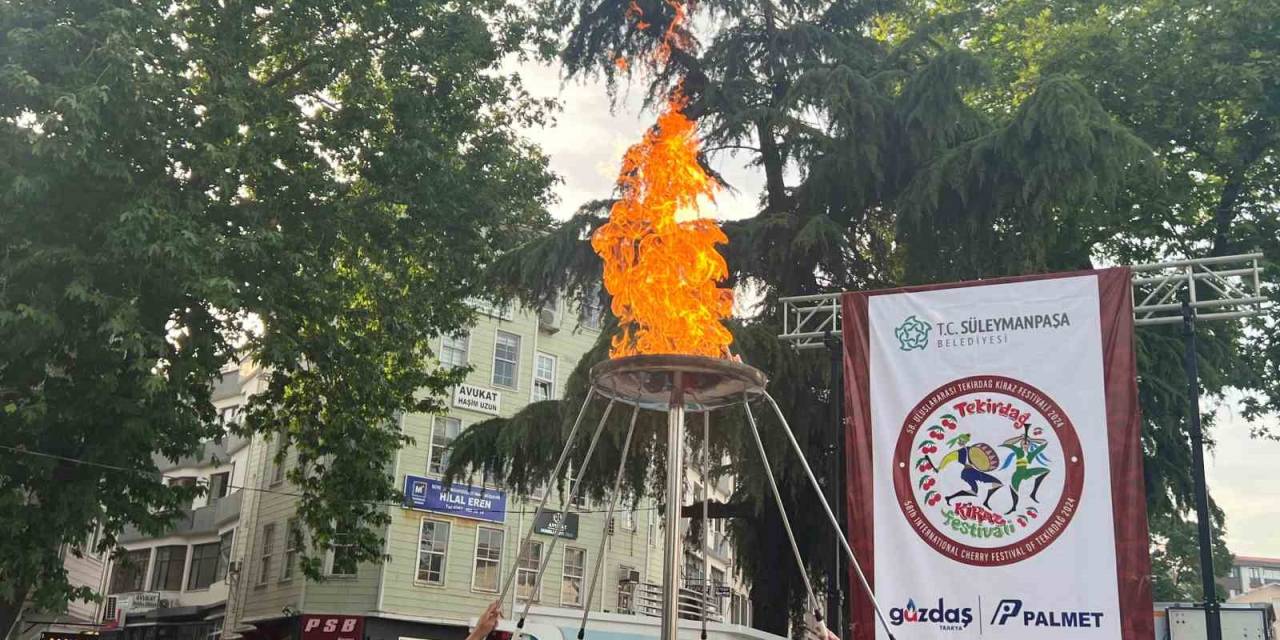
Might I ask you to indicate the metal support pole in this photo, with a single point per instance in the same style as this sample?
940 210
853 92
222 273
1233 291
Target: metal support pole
1213 621
835 485
831 517
555 473
782 512
613 501
573 493
675 480
706 531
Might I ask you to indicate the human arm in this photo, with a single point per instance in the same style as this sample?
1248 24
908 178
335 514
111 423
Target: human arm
487 622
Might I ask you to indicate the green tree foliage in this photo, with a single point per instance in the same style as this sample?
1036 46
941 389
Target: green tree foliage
908 142
1197 83
312 185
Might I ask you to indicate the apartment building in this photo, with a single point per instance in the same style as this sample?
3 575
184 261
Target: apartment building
175 587
229 569
1249 573
81 619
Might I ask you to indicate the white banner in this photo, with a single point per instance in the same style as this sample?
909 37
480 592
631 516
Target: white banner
991 481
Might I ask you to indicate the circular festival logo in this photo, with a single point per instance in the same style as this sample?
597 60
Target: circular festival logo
988 470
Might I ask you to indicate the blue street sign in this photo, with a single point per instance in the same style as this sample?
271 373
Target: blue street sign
462 500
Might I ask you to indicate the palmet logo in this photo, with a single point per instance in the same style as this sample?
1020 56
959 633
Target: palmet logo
946 619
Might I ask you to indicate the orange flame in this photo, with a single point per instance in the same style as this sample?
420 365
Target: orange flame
660 259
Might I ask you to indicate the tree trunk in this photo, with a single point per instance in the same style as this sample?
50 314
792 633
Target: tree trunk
10 613
771 597
771 158
1224 215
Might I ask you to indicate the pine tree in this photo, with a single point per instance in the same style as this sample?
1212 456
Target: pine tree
882 167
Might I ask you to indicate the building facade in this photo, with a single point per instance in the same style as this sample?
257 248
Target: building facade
1251 572
176 587
449 549
229 570
82 619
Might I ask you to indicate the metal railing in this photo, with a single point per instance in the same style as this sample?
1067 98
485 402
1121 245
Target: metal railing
645 599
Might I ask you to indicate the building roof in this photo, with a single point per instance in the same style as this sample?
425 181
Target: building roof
1256 560
1265 593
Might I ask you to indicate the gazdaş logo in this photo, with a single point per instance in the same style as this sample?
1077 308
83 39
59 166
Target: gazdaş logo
988 470
1010 612
953 619
912 334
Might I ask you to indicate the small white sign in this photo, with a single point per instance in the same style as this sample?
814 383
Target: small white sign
466 396
138 601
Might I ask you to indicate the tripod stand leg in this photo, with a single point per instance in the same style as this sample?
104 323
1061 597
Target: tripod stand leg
813 480
573 494
613 501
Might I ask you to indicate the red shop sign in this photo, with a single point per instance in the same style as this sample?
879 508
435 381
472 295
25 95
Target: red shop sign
332 627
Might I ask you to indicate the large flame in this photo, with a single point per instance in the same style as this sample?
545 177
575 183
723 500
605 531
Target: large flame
660 260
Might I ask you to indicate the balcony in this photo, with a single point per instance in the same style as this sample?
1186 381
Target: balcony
205 520
645 599
210 453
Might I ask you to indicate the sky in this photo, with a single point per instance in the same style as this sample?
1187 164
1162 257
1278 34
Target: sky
1242 473
585 146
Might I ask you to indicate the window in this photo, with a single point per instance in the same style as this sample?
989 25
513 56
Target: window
692 568
527 570
653 529
488 562
342 557
230 415
129 571
219 483
167 574
739 610
277 465
443 431
579 501
204 566
290 549
268 547
506 359
627 579
453 350
717 580
575 567
433 544
187 481
590 312
224 555
538 492
628 518
544 377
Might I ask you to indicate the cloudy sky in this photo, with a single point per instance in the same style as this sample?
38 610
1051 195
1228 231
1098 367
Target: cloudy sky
588 139
586 145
